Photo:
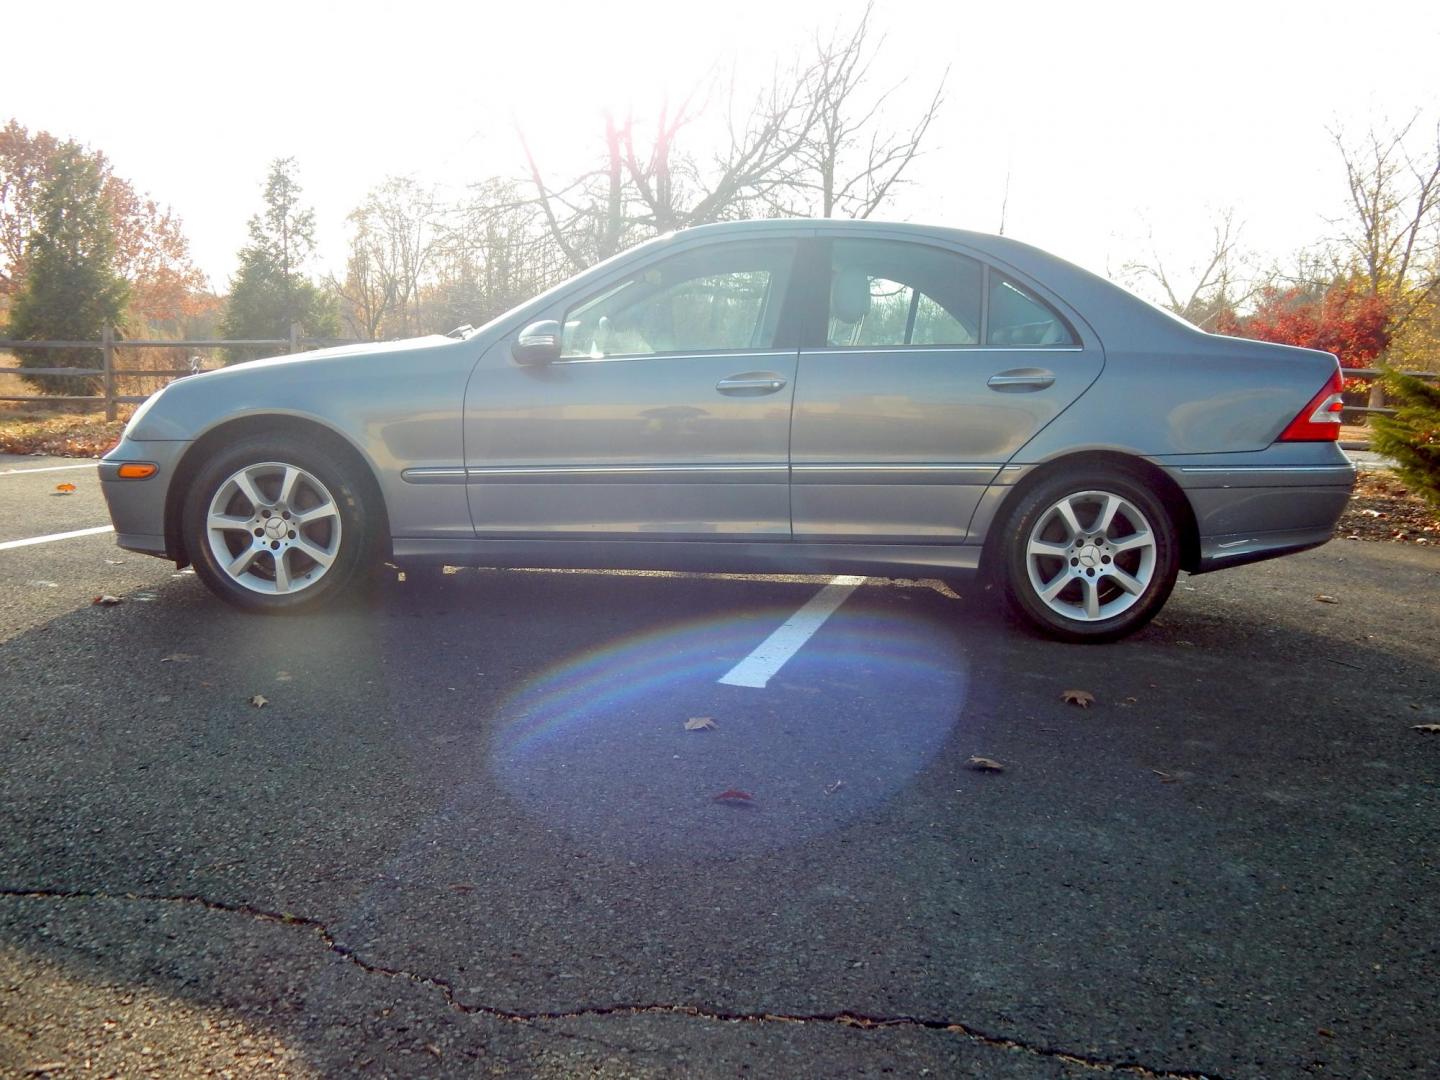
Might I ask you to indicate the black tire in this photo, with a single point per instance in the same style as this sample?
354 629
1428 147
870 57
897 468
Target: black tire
1081 583
309 582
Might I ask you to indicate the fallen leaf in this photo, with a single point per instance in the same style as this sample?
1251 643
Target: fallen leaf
1130 701
1428 729
733 795
984 764
106 601
177 658
64 489
1325 1033
830 789
283 676
1083 698
1324 599
1165 777
700 723
461 887
259 701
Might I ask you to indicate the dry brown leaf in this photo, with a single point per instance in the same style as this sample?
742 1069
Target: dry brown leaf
1130 701
734 797
1325 599
985 764
1428 729
105 601
177 658
64 489
259 701
1165 777
1083 698
700 723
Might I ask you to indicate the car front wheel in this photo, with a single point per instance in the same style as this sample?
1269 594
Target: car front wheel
1089 558
273 526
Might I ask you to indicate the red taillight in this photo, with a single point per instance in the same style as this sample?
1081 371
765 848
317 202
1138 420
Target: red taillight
1319 421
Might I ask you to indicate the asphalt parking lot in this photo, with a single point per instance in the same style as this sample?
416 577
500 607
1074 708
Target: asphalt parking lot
469 833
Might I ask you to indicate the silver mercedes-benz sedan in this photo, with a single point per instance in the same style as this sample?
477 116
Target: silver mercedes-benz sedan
776 396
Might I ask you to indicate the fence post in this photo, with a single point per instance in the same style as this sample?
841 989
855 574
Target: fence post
107 354
1377 396
294 338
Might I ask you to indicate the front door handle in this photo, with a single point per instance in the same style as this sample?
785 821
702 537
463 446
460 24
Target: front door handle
751 383
1021 380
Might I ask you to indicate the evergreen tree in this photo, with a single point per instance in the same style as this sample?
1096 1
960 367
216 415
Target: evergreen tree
1412 436
270 293
71 291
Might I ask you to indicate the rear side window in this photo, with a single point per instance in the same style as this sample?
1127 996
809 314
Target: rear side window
1017 317
888 293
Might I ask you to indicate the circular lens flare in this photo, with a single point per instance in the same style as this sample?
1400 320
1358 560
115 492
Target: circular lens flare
598 746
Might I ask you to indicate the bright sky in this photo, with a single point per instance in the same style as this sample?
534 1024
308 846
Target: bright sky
1113 121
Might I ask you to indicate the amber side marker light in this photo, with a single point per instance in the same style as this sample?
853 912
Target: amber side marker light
137 470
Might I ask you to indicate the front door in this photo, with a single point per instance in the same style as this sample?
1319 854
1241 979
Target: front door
929 373
667 416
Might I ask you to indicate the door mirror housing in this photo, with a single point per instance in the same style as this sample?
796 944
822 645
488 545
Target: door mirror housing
538 343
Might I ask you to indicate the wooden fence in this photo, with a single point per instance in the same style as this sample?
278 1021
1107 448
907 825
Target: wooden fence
107 373
1372 374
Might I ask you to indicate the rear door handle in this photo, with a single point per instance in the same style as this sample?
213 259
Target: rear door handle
1020 380
751 383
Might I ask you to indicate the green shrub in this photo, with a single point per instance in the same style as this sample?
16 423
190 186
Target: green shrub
1412 436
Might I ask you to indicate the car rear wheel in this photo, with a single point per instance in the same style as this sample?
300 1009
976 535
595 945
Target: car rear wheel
1089 557
272 525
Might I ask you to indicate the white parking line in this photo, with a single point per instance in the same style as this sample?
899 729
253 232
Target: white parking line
8 544
48 468
771 654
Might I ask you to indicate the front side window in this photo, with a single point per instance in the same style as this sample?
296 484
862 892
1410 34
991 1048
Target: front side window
725 298
886 293
1016 317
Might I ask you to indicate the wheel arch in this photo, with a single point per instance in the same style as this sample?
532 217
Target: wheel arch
245 427
1170 494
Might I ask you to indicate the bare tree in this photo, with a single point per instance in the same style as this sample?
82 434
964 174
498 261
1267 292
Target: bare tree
1394 213
814 139
850 161
1203 291
394 240
1390 236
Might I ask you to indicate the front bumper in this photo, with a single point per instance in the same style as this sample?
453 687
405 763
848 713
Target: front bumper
138 507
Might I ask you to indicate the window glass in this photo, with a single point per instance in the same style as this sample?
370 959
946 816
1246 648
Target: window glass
718 299
1018 318
885 293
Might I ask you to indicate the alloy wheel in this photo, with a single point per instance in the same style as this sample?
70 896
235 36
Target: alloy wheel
1091 555
273 528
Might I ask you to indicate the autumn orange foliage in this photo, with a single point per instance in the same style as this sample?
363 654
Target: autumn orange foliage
1343 318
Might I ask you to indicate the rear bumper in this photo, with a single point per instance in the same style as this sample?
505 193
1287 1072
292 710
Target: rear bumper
1245 513
137 507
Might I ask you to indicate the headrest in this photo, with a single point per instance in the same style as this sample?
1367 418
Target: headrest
850 295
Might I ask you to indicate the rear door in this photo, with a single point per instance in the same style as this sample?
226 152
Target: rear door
924 372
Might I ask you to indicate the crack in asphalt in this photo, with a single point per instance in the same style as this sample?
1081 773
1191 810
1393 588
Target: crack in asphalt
842 1018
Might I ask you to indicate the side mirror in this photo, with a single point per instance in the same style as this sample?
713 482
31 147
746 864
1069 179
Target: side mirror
538 343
